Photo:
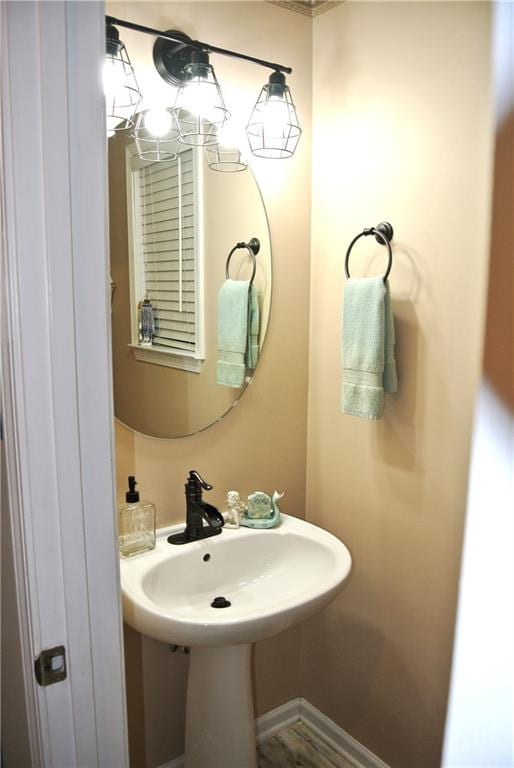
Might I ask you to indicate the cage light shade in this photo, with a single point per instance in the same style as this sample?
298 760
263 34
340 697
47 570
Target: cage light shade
156 135
225 159
199 109
122 94
228 155
273 129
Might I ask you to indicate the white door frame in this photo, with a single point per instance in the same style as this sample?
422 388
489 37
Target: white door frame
57 390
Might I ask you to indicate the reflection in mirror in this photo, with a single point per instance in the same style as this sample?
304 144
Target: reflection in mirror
172 227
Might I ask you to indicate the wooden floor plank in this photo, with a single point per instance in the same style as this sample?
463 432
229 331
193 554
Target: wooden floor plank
291 744
305 754
297 746
278 755
263 758
320 745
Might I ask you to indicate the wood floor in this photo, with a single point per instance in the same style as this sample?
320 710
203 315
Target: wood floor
298 747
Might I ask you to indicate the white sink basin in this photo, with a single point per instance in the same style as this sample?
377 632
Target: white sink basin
272 578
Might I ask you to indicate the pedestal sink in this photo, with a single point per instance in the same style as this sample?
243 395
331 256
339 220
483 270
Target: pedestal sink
268 579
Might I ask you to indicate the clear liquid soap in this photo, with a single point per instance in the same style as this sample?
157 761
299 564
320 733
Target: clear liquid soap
136 523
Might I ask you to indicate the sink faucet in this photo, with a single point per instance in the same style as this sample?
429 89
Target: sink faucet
198 511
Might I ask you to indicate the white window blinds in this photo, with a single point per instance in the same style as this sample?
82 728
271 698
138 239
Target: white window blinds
167 270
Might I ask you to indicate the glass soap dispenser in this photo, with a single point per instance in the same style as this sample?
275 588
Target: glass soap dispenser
136 523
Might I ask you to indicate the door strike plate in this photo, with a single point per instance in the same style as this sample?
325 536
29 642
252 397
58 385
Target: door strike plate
50 665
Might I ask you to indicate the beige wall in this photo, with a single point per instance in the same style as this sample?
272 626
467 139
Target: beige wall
402 132
262 443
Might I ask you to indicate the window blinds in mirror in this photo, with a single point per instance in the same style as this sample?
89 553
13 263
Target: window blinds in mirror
165 260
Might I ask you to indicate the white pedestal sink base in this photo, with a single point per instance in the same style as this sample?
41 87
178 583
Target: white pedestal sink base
219 718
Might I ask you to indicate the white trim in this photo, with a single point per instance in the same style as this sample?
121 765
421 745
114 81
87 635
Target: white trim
93 361
269 724
180 238
136 266
10 424
301 710
58 403
340 741
198 165
171 359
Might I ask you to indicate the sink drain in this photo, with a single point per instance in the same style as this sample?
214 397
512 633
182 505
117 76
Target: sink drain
220 602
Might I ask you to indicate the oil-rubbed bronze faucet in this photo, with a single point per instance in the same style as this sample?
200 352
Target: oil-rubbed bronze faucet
198 511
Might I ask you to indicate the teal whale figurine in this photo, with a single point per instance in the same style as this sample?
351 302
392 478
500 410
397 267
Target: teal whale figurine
263 511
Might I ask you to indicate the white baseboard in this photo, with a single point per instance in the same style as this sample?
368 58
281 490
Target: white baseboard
281 717
300 709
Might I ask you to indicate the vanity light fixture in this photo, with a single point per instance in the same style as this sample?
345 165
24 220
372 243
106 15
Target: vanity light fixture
156 135
273 129
122 94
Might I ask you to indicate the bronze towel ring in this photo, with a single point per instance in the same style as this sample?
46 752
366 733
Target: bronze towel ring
383 233
253 246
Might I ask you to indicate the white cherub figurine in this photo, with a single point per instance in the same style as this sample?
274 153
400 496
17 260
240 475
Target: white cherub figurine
234 511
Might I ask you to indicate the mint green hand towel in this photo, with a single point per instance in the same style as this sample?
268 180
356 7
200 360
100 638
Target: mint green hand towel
369 366
252 348
238 331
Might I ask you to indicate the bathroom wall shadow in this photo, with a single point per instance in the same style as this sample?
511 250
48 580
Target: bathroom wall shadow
396 439
406 733
273 659
405 279
164 684
135 697
385 696
498 359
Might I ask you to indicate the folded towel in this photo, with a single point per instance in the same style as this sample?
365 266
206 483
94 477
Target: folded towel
252 348
238 331
369 366
390 374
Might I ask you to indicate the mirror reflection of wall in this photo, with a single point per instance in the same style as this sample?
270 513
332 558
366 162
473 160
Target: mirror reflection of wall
154 393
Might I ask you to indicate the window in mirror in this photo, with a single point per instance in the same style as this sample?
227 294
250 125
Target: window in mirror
166 257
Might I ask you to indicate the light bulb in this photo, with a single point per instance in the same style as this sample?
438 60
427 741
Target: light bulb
114 80
201 100
274 117
158 121
231 136
199 109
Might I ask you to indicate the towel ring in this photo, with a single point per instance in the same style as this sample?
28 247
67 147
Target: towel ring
253 247
383 235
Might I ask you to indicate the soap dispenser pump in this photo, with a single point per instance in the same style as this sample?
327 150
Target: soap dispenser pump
136 523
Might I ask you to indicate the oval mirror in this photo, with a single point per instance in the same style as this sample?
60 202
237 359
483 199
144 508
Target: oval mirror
172 227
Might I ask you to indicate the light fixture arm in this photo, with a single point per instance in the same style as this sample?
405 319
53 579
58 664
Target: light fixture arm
197 44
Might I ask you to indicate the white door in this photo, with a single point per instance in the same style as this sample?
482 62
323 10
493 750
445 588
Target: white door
56 387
